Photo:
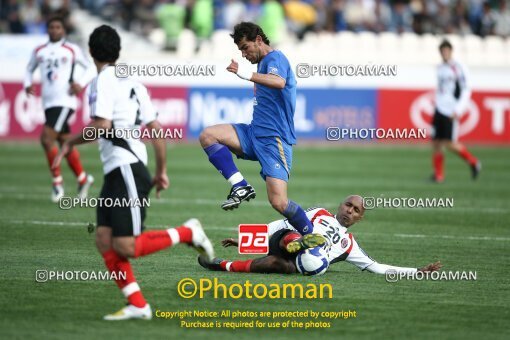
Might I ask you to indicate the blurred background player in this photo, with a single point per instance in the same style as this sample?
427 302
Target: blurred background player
269 137
57 60
120 103
452 98
285 244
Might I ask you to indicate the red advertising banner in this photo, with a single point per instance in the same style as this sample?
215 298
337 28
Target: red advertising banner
487 119
22 116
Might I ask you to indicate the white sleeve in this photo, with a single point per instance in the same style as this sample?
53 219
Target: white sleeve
32 65
361 260
275 226
465 89
88 71
102 100
378 268
147 110
356 255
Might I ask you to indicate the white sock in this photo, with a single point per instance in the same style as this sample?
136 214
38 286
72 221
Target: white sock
235 178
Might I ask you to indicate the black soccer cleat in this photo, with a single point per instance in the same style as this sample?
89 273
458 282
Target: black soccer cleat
237 195
434 179
213 265
475 170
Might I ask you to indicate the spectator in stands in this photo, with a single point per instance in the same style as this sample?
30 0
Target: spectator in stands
443 19
401 18
336 16
488 20
502 18
145 17
202 19
382 14
253 11
12 17
480 17
272 20
171 17
301 17
233 12
359 14
321 8
460 19
61 9
127 13
30 15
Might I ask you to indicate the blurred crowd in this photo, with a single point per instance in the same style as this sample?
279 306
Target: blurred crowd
30 16
480 17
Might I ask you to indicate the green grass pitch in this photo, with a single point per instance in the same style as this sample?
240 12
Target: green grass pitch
472 236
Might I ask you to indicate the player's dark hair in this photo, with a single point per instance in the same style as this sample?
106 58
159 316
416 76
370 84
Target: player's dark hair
104 44
445 44
55 18
249 31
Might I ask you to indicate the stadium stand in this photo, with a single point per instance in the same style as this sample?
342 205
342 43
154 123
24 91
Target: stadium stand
478 29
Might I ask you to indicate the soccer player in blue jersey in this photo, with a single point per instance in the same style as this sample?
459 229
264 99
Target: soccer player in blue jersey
269 137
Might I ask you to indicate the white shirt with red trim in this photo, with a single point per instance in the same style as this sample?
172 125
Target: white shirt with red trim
57 62
341 245
453 91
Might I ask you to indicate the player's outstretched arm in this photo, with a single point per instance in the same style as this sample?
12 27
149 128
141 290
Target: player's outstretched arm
160 181
432 267
230 242
360 259
378 268
27 83
269 80
98 124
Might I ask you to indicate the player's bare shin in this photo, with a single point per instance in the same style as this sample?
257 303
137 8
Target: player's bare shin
272 265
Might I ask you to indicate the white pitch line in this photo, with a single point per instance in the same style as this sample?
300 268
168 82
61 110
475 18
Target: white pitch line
46 222
264 203
234 229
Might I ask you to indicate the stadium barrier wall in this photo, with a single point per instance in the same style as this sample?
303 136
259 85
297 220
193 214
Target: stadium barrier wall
191 109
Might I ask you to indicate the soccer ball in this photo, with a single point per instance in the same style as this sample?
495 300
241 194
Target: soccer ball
312 261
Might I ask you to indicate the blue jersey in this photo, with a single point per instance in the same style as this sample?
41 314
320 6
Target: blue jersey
273 109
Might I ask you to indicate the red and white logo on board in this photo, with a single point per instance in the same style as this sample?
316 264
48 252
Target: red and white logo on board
424 106
253 239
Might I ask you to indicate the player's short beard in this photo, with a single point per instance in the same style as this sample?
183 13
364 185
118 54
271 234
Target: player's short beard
258 56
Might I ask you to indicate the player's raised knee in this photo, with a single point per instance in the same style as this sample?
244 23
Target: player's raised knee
207 137
103 240
125 249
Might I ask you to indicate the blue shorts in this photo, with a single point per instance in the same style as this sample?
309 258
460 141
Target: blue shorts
273 154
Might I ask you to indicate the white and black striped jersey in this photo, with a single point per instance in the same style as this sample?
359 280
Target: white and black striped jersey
453 91
341 245
57 62
126 103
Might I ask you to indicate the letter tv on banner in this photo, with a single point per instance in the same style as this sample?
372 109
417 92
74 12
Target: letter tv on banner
22 116
486 119
316 109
